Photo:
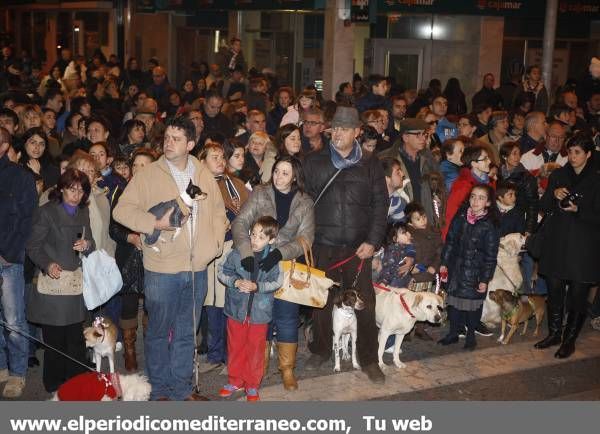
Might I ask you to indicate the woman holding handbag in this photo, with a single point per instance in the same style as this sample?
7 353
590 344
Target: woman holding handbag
61 231
569 254
285 200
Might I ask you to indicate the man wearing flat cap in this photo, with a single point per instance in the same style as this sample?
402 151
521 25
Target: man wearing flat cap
350 217
417 161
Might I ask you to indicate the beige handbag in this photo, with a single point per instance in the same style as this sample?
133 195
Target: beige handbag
304 284
69 283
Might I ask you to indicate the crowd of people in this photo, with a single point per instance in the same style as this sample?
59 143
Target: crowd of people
402 187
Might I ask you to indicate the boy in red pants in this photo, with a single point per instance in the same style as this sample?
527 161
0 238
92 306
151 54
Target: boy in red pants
248 306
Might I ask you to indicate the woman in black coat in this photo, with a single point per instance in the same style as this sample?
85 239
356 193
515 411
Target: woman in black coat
469 260
61 231
570 244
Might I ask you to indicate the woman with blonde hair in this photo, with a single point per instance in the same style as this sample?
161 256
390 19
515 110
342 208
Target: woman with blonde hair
259 159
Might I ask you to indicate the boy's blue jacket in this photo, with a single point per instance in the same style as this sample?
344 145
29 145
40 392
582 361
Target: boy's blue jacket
236 302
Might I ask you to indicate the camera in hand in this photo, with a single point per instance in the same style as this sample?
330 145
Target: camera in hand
571 197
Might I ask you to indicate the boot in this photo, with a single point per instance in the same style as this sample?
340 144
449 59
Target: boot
129 338
267 359
555 320
454 318
287 361
575 322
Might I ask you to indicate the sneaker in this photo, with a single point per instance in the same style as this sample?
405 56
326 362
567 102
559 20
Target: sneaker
4 375
14 387
462 333
252 395
595 323
228 390
482 330
389 350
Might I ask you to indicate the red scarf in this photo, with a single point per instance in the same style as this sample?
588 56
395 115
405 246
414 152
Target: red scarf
472 218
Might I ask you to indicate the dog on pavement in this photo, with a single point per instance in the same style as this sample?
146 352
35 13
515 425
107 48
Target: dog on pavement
515 311
95 386
102 338
396 312
345 326
507 276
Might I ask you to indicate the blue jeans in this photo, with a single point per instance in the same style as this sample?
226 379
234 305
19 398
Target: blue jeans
169 341
14 347
215 340
540 288
285 321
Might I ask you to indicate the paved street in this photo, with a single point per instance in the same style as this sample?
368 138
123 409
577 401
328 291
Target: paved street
433 372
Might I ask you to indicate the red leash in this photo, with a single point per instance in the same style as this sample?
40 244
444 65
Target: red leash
345 261
402 301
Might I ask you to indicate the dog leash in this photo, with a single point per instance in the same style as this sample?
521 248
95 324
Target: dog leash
402 301
509 279
28 336
345 261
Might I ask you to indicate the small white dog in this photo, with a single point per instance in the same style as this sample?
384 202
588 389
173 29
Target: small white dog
507 276
102 387
345 326
102 337
396 313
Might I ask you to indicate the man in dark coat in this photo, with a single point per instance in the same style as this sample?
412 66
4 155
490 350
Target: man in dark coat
214 120
487 94
350 218
18 199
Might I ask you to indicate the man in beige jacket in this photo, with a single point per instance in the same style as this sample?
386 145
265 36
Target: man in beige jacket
175 277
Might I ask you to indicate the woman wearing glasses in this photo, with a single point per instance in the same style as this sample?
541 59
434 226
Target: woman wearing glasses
475 171
61 231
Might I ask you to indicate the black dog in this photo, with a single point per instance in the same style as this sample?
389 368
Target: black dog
182 208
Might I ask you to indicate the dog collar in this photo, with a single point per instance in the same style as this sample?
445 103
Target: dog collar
347 311
405 306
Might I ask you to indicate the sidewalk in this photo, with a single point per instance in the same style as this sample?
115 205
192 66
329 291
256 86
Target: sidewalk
457 367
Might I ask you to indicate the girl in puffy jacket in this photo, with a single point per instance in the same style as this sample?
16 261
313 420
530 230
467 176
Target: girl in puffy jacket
469 259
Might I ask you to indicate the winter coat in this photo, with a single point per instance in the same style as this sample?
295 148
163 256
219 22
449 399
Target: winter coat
428 244
236 302
52 238
427 165
512 221
570 251
450 172
301 222
274 119
527 196
100 215
470 255
155 184
371 101
459 193
127 256
353 209
18 200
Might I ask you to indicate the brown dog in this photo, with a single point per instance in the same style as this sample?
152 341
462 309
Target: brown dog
514 312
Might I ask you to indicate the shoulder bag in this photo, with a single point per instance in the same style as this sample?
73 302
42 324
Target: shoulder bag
101 278
304 284
535 241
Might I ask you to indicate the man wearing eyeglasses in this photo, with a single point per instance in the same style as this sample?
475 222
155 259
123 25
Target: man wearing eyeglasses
313 125
550 150
417 161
